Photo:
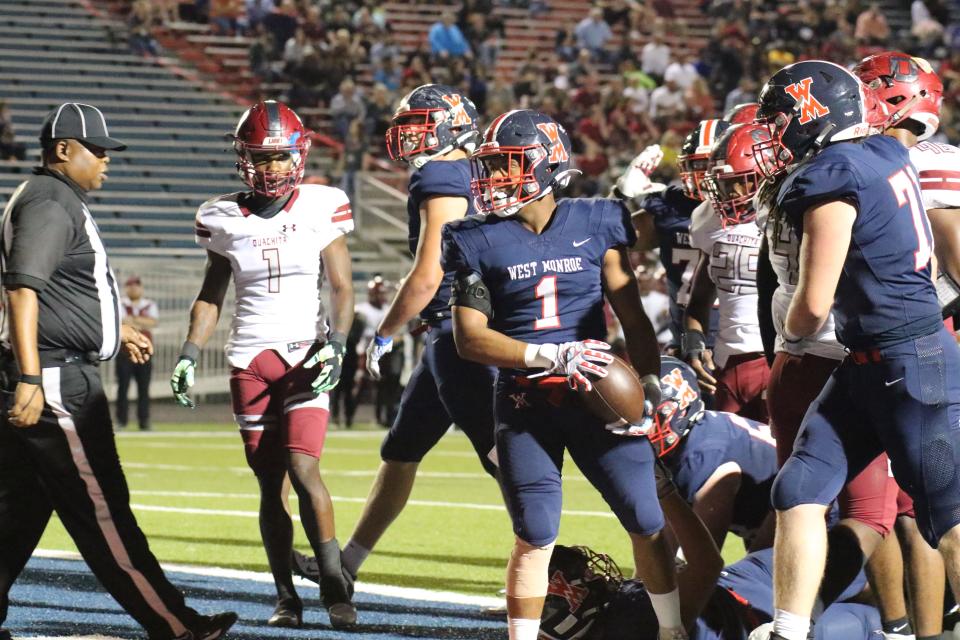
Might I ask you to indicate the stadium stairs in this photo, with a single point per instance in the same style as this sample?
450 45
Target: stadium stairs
173 121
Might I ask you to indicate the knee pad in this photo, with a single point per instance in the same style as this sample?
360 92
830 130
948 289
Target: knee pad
527 571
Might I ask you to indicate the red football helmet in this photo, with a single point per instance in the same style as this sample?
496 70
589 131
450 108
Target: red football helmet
271 127
908 85
744 113
734 177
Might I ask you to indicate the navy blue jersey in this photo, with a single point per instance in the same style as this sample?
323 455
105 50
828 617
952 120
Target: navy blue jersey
885 294
436 178
716 439
671 211
547 287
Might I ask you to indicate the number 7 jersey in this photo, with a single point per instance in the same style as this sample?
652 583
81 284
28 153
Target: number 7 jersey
277 267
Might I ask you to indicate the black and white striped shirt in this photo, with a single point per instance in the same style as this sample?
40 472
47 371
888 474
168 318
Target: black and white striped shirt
52 245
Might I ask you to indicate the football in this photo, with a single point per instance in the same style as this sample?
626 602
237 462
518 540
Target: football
617 397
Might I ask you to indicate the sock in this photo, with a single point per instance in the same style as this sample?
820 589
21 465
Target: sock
900 625
328 561
946 635
523 628
790 626
667 608
353 556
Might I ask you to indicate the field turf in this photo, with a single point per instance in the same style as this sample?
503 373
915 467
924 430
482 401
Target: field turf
197 502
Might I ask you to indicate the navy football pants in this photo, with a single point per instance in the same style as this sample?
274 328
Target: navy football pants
534 426
908 404
443 390
68 462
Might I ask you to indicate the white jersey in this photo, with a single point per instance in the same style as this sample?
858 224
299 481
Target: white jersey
784 251
733 253
938 166
277 268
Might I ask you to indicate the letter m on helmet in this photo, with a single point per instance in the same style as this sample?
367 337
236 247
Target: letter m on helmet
808 106
459 115
557 152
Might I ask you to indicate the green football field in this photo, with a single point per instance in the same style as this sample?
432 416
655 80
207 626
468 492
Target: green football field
197 502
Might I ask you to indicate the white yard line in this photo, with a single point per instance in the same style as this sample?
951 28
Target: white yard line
406 593
238 446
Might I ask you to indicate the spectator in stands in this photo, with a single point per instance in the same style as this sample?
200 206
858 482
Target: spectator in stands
565 43
139 21
346 107
388 74
746 91
293 50
666 104
446 39
924 27
384 48
682 71
726 66
380 108
142 314
257 10
282 23
355 144
226 14
593 34
10 149
484 39
872 27
261 49
655 57
700 103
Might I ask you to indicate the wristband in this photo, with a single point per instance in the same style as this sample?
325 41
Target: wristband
540 356
26 378
380 341
190 351
338 337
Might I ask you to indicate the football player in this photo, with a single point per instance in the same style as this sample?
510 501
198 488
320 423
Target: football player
865 252
528 297
723 465
728 242
434 131
278 240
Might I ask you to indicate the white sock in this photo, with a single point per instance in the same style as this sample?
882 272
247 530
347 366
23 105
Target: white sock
790 626
667 608
352 556
523 628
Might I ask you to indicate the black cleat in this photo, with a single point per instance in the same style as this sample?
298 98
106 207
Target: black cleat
212 627
287 614
334 591
305 566
5 635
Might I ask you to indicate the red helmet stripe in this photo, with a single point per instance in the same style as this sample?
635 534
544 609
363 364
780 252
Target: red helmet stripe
495 126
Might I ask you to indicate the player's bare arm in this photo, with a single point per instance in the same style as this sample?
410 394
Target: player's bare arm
336 260
478 342
28 398
713 503
205 310
424 278
696 321
643 224
623 292
826 239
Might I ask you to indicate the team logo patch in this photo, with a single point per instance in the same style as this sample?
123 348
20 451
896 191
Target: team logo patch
684 394
809 107
519 400
557 151
459 115
573 594
274 141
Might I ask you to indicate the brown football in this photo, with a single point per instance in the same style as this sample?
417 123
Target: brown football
618 396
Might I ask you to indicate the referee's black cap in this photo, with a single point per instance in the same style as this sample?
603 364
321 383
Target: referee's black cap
81 122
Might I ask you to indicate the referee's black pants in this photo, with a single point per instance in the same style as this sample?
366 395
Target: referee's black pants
68 462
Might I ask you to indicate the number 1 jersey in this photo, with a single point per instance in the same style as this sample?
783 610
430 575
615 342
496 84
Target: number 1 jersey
277 267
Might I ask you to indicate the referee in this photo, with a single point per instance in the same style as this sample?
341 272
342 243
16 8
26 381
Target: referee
57 450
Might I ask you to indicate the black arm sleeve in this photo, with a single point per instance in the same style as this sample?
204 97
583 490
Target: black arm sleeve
469 291
766 284
39 235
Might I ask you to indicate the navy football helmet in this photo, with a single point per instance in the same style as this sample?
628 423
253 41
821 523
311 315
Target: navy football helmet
431 120
582 584
809 105
524 156
695 154
680 405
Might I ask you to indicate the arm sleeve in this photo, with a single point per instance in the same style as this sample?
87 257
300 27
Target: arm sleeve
766 285
41 234
819 184
616 226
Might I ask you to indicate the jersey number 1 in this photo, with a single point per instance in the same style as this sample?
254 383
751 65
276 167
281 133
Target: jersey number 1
905 185
547 292
272 257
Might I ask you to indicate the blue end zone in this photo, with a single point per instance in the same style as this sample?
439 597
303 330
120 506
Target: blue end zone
57 597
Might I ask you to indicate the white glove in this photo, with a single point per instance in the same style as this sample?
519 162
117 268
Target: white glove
763 632
576 359
377 348
635 181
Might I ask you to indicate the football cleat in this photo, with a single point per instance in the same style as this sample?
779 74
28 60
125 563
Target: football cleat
335 594
287 614
210 627
305 566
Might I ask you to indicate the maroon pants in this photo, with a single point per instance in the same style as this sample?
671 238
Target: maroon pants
741 385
